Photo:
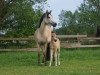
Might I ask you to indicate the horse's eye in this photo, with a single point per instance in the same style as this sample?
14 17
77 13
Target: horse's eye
48 17
52 36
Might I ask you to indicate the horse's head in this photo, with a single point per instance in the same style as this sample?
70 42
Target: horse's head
47 18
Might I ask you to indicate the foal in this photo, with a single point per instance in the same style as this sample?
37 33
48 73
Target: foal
55 49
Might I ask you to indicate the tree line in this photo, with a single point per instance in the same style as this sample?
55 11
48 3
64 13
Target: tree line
20 18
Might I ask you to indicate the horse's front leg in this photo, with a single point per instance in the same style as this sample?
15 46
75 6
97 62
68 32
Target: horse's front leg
43 58
38 54
44 53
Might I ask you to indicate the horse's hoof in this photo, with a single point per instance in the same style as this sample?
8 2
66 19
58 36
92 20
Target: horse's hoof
56 65
49 65
39 63
45 64
42 63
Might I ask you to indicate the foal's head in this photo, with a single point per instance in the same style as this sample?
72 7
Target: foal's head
54 36
47 18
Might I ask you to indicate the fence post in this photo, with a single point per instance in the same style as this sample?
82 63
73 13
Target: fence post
78 39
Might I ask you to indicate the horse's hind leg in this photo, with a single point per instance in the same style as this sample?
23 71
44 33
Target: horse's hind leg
44 53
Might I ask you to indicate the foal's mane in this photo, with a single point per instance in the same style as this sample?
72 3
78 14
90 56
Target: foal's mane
42 17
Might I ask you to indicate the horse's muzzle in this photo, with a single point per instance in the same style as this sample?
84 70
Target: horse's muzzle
54 24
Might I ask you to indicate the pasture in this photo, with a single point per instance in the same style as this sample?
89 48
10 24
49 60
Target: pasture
81 61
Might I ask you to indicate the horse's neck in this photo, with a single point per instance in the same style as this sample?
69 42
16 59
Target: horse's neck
45 33
41 29
44 28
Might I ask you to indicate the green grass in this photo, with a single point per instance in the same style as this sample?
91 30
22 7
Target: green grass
85 61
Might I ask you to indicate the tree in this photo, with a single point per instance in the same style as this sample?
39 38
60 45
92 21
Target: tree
21 17
89 15
3 12
85 20
69 22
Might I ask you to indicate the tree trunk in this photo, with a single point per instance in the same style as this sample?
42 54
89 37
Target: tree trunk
98 31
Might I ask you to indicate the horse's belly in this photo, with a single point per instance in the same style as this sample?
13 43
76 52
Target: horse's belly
45 39
41 39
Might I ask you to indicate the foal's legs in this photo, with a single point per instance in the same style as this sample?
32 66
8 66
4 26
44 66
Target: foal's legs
55 56
59 56
51 56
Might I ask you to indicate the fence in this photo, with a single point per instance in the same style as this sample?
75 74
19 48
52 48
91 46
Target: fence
67 41
78 41
21 40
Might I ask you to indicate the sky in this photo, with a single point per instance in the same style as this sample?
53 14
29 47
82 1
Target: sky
57 5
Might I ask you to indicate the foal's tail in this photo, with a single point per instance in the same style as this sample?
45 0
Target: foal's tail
48 52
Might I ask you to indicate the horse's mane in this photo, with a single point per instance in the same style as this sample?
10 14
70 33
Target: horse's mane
41 19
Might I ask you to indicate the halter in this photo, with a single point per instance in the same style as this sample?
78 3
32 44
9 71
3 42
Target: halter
48 23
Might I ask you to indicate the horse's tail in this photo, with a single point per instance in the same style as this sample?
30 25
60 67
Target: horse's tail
48 52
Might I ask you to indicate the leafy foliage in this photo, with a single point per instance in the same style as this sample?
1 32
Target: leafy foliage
21 17
84 20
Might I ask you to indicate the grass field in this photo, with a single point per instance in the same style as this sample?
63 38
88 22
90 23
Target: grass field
73 62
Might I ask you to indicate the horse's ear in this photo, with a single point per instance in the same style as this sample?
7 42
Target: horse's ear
46 11
50 11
